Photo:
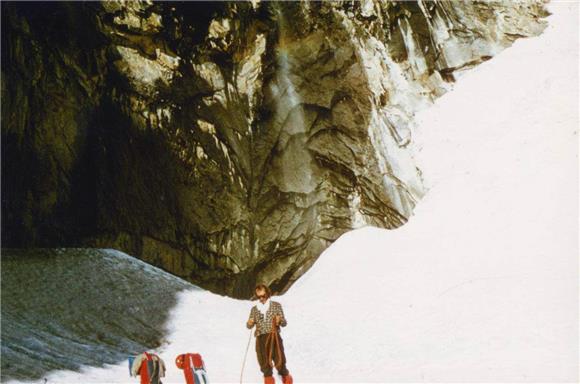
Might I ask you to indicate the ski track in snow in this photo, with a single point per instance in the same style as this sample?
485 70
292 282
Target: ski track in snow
480 285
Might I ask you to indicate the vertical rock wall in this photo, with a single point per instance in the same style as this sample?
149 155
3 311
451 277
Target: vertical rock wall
227 143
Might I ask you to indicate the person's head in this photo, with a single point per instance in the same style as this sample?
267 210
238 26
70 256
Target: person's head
262 292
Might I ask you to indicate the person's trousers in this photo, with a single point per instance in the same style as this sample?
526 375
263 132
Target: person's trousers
269 354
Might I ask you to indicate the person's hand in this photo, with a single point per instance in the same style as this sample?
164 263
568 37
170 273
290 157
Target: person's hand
251 323
278 319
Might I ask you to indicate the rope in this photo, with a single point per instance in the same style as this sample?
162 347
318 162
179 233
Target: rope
273 337
245 356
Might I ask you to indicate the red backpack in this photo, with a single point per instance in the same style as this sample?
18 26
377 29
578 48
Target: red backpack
193 368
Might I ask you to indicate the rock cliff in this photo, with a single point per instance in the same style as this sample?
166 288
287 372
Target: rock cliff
226 142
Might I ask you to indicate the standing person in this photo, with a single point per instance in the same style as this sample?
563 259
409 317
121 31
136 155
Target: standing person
268 317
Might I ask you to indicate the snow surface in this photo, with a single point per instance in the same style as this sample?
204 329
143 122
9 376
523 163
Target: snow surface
481 284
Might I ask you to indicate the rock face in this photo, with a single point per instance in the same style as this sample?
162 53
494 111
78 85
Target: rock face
227 143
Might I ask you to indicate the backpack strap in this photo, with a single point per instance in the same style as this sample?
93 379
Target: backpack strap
144 369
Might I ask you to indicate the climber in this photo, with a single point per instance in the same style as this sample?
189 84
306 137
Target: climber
268 317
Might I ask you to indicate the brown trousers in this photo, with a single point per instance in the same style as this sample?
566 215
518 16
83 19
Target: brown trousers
264 349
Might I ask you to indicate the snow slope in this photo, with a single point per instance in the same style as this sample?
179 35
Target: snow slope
481 285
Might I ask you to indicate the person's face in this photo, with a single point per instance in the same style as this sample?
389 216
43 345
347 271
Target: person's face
261 295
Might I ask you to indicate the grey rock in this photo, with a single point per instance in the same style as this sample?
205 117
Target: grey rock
227 143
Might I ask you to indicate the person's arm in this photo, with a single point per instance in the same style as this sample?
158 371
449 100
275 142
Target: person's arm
280 317
250 323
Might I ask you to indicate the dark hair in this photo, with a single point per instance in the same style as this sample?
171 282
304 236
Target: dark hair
263 287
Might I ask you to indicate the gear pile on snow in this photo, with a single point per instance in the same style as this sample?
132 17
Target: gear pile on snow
193 368
148 366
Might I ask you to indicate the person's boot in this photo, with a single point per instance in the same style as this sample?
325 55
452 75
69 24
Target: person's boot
269 380
287 379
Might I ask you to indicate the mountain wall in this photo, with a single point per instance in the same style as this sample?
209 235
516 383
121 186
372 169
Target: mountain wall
227 142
